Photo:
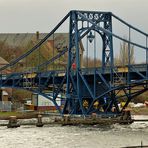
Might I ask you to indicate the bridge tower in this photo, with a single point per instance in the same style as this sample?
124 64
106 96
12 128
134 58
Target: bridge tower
80 92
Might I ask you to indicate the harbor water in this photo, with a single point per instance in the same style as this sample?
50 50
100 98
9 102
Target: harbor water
56 136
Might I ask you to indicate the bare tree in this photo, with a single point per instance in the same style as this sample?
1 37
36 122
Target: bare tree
90 62
123 58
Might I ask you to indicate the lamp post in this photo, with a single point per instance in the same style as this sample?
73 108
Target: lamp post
90 37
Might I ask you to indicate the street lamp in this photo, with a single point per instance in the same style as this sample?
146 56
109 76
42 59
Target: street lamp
90 37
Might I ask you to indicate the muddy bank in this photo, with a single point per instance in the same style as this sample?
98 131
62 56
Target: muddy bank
68 121
30 115
32 119
19 115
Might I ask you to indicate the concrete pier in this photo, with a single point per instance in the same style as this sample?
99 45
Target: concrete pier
39 121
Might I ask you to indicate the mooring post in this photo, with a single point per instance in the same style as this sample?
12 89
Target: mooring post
13 122
94 116
126 117
39 121
66 118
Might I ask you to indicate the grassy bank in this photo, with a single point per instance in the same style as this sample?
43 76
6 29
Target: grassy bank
19 115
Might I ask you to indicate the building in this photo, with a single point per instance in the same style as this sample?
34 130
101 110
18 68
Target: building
19 43
41 103
3 62
5 93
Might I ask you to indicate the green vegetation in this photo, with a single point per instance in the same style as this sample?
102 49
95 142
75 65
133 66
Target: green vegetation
19 94
8 114
19 115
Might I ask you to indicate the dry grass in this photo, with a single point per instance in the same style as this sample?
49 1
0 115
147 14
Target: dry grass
140 111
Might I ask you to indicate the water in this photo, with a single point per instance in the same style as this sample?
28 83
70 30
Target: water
114 136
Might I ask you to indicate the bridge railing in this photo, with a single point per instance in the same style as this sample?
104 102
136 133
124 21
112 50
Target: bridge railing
138 67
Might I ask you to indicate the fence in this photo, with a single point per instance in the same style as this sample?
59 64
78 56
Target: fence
5 105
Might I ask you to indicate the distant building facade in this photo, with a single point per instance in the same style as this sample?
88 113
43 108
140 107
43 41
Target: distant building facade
58 41
43 104
5 93
26 41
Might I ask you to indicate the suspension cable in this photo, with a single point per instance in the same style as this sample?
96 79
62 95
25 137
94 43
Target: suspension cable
87 47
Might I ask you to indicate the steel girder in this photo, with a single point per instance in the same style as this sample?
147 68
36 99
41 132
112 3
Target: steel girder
74 96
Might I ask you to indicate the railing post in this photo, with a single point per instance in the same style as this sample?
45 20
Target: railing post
129 55
129 61
147 60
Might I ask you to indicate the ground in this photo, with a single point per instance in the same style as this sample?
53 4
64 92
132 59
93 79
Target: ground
140 111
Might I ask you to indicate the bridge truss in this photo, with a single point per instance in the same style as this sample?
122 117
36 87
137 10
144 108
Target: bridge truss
85 89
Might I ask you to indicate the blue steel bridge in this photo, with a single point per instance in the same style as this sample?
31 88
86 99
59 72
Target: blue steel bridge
84 89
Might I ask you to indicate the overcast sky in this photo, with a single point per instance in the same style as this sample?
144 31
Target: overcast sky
43 15
21 16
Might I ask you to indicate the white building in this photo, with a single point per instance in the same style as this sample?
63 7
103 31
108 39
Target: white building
42 103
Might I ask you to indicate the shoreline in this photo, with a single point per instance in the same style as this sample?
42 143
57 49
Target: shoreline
34 114
19 115
75 121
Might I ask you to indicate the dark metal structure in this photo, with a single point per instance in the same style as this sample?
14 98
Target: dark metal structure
84 90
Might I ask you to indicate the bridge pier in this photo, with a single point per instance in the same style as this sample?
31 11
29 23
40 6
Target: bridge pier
13 122
126 117
39 121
